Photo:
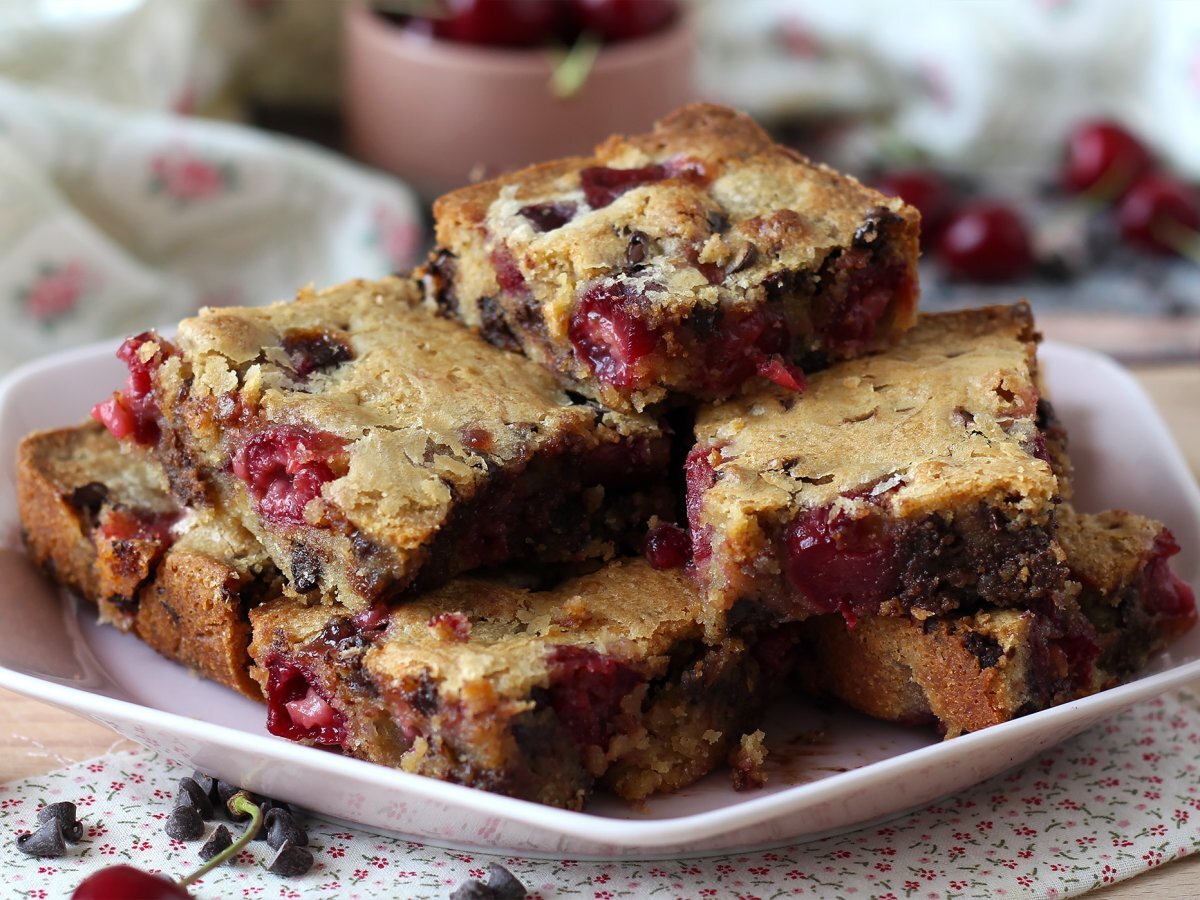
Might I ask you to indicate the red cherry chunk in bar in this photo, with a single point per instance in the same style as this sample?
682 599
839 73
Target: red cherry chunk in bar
586 690
839 565
284 467
297 710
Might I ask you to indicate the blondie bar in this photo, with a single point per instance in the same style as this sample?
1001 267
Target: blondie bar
372 447
968 672
684 261
534 694
99 520
916 479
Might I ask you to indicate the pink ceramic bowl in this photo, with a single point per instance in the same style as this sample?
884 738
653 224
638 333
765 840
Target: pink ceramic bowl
441 114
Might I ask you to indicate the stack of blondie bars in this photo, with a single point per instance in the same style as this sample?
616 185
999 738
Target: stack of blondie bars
654 436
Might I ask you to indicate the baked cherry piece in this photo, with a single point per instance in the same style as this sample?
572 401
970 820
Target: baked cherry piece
1102 154
623 20
127 883
1158 214
586 690
985 242
608 331
284 467
667 546
925 190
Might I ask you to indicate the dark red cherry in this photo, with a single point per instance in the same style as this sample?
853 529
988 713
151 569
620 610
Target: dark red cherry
667 546
925 190
623 20
1157 213
127 883
1103 154
985 242
502 23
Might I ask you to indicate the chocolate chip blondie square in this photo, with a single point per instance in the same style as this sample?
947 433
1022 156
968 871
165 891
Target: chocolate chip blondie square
916 479
534 694
372 447
685 262
966 672
101 521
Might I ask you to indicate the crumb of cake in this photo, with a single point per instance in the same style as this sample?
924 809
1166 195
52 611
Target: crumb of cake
747 760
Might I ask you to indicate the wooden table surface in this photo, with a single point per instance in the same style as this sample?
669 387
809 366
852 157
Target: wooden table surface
36 738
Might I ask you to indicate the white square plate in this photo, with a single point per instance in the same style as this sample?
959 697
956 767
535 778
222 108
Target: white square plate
829 770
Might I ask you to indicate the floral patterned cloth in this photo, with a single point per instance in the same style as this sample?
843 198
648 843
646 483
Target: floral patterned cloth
987 83
114 221
1115 801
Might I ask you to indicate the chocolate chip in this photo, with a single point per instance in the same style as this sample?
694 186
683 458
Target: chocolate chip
207 783
549 216
984 648
265 808
493 327
504 884
317 349
290 860
46 841
191 794
88 498
438 278
638 249
306 569
282 828
64 813
217 842
185 824
871 228
745 258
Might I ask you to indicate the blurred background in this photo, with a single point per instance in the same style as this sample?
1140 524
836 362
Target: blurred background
161 155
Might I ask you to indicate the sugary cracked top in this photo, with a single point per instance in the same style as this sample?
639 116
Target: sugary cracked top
414 411
712 205
945 419
474 631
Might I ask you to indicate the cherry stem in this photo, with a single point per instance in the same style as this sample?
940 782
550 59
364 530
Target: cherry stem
239 803
571 72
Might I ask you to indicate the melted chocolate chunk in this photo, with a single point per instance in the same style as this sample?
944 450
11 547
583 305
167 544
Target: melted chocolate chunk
314 350
549 216
638 250
88 498
493 328
306 569
871 230
438 278
984 648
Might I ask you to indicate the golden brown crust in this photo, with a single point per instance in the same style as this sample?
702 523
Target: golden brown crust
429 414
181 601
191 612
466 671
972 671
935 432
739 213
949 412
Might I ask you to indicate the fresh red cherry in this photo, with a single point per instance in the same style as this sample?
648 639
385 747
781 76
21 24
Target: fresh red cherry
985 242
1158 213
1102 153
127 883
623 20
504 23
925 190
